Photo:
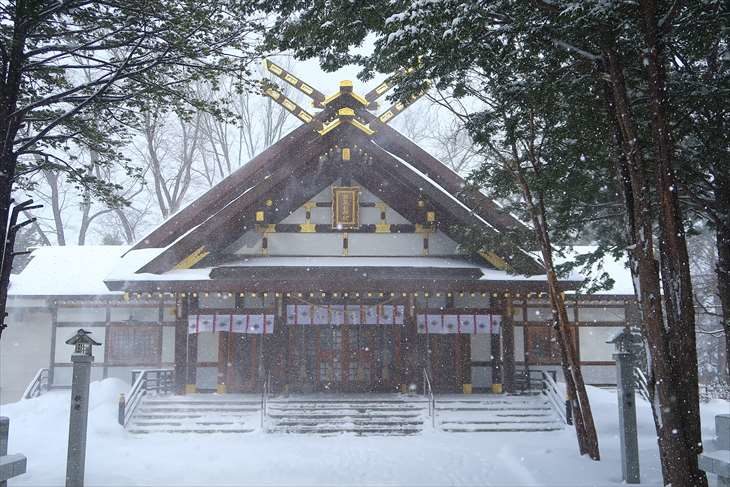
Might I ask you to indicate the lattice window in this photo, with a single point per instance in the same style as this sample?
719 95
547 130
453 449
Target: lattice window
134 345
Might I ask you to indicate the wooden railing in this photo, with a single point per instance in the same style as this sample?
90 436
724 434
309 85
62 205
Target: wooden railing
642 384
428 392
38 385
556 398
158 381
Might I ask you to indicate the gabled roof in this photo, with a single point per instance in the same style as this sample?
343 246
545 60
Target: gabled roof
306 161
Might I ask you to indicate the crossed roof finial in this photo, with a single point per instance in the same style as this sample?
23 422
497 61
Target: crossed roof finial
345 114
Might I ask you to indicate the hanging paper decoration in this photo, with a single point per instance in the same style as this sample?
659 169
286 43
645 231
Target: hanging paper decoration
353 314
465 324
321 315
192 324
385 315
205 323
483 325
340 314
222 322
239 323
337 314
496 324
451 324
434 324
421 324
303 314
371 315
398 314
257 324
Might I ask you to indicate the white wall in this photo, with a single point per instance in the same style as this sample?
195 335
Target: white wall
25 347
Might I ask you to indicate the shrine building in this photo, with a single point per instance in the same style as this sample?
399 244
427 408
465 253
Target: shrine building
332 261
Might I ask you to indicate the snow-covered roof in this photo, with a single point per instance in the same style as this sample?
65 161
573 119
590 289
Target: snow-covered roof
66 271
82 271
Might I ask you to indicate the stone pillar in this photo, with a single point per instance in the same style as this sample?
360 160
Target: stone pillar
76 455
627 417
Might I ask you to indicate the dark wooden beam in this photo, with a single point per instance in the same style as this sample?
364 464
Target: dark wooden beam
215 233
263 274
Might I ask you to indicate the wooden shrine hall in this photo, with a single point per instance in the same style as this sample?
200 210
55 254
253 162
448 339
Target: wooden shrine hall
333 261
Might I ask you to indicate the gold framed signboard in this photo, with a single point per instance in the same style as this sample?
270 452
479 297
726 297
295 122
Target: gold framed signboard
345 207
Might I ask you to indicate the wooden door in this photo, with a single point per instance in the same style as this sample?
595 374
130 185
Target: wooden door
330 357
243 362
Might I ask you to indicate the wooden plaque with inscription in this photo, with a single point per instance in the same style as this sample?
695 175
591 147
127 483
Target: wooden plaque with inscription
345 207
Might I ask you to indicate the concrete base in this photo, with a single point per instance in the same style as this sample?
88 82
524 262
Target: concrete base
722 431
718 462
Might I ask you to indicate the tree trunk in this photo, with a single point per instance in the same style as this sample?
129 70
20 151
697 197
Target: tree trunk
585 428
722 233
675 271
670 367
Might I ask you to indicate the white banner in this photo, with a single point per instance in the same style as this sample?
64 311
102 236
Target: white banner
466 324
483 325
256 324
192 324
434 324
340 314
240 323
222 322
206 323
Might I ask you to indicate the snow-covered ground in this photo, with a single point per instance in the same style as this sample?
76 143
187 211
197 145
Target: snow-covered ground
116 458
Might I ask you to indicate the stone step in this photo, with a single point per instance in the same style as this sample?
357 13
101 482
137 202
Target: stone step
506 421
172 422
514 428
313 422
190 430
335 431
200 402
380 410
145 408
340 416
501 408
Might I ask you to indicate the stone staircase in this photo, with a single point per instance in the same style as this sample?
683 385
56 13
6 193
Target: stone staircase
483 414
391 415
327 414
197 414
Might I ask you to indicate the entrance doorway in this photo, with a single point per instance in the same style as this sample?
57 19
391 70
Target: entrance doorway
343 358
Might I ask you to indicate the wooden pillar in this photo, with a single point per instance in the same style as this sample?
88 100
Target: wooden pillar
224 359
465 359
409 348
191 362
278 356
181 344
508 348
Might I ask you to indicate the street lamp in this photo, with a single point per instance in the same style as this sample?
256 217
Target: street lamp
81 359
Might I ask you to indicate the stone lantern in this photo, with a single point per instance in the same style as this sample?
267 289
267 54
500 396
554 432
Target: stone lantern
82 359
628 345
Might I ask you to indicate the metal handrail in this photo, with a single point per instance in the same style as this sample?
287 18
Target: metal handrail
556 399
428 391
38 385
265 391
642 384
144 381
